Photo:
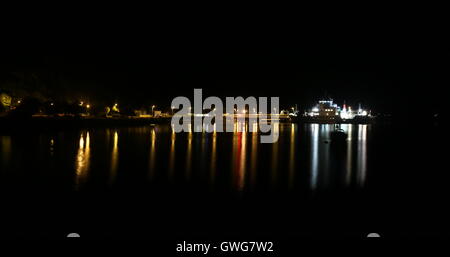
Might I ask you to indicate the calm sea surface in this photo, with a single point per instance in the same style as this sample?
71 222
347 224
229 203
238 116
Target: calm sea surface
150 182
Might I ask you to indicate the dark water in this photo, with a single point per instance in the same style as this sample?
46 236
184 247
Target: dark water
149 182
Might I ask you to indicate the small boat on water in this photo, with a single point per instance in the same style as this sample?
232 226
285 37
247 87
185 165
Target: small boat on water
338 136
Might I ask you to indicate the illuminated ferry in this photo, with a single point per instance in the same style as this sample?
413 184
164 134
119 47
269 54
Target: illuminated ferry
330 112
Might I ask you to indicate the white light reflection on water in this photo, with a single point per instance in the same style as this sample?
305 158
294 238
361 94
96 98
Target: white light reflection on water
348 163
324 152
362 155
328 162
314 155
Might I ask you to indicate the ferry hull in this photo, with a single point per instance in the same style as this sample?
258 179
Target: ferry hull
337 120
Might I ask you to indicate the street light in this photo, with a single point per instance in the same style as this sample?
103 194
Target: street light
115 108
153 107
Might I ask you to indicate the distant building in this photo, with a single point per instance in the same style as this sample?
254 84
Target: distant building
157 113
141 113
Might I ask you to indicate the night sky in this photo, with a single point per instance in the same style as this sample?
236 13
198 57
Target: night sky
391 68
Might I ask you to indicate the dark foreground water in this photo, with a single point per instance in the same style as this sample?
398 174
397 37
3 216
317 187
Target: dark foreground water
147 182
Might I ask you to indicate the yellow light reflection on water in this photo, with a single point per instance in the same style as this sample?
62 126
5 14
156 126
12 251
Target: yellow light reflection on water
292 156
88 140
255 127
82 161
243 160
114 158
5 142
189 155
52 144
213 157
152 153
274 161
172 155
81 143
239 159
